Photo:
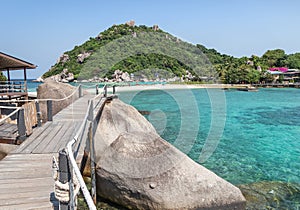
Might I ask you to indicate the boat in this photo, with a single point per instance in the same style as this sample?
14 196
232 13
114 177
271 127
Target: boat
248 89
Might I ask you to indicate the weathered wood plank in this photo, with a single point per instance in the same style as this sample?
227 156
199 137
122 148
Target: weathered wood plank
28 157
50 137
33 205
30 181
24 192
9 127
26 200
37 132
64 138
26 180
34 144
8 133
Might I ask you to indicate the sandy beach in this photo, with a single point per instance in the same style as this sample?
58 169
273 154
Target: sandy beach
174 87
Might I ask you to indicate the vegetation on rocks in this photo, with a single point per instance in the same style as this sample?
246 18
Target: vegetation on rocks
2 77
227 69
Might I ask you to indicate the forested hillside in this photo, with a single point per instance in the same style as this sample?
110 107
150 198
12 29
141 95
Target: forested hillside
229 69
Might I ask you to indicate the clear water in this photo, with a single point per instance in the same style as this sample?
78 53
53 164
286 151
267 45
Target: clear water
32 86
260 139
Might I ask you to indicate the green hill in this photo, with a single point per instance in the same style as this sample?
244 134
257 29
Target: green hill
122 47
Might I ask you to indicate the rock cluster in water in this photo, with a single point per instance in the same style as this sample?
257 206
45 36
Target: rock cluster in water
271 195
138 169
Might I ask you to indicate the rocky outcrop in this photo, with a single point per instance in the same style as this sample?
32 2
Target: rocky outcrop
65 76
120 76
138 169
155 27
130 23
63 58
271 195
51 89
82 56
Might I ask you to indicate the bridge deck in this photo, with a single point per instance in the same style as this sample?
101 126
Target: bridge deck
26 180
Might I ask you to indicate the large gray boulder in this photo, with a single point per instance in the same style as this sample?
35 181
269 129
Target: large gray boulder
51 89
139 170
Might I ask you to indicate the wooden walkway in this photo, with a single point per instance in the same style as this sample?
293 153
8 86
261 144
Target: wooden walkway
26 179
8 133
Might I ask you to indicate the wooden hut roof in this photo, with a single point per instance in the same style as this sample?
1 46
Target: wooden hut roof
8 62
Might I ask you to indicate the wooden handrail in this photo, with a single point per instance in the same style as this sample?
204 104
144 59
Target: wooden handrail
70 153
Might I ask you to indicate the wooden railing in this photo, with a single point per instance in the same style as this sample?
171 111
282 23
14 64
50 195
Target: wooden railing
13 87
29 115
27 118
82 143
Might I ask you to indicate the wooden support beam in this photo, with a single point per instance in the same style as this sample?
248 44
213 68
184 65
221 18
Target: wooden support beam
80 91
105 91
114 89
38 114
8 75
97 89
21 126
25 80
49 110
64 175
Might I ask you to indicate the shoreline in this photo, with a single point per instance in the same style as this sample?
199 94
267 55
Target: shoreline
176 87
168 87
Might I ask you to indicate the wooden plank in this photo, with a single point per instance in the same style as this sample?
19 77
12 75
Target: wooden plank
8 141
25 185
64 138
30 116
20 181
35 143
26 177
8 127
26 157
8 136
49 138
36 206
24 192
37 132
8 133
33 202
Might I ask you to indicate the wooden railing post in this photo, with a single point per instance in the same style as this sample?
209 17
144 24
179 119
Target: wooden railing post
90 143
114 89
64 175
93 164
97 89
49 110
38 114
91 111
21 125
80 91
105 91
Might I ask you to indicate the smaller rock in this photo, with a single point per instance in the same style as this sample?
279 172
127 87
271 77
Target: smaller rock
63 58
130 23
271 192
82 56
152 185
155 27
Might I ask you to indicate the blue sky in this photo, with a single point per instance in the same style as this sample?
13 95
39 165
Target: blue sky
40 31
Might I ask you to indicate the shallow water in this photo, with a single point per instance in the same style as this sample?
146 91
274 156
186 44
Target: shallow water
260 139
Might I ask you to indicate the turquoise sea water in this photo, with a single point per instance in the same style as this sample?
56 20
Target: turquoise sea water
260 139
32 86
261 136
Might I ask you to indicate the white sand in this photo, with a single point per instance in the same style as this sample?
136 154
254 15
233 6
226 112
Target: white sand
169 87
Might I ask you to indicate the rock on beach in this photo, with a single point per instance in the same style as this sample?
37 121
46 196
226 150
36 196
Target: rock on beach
138 169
